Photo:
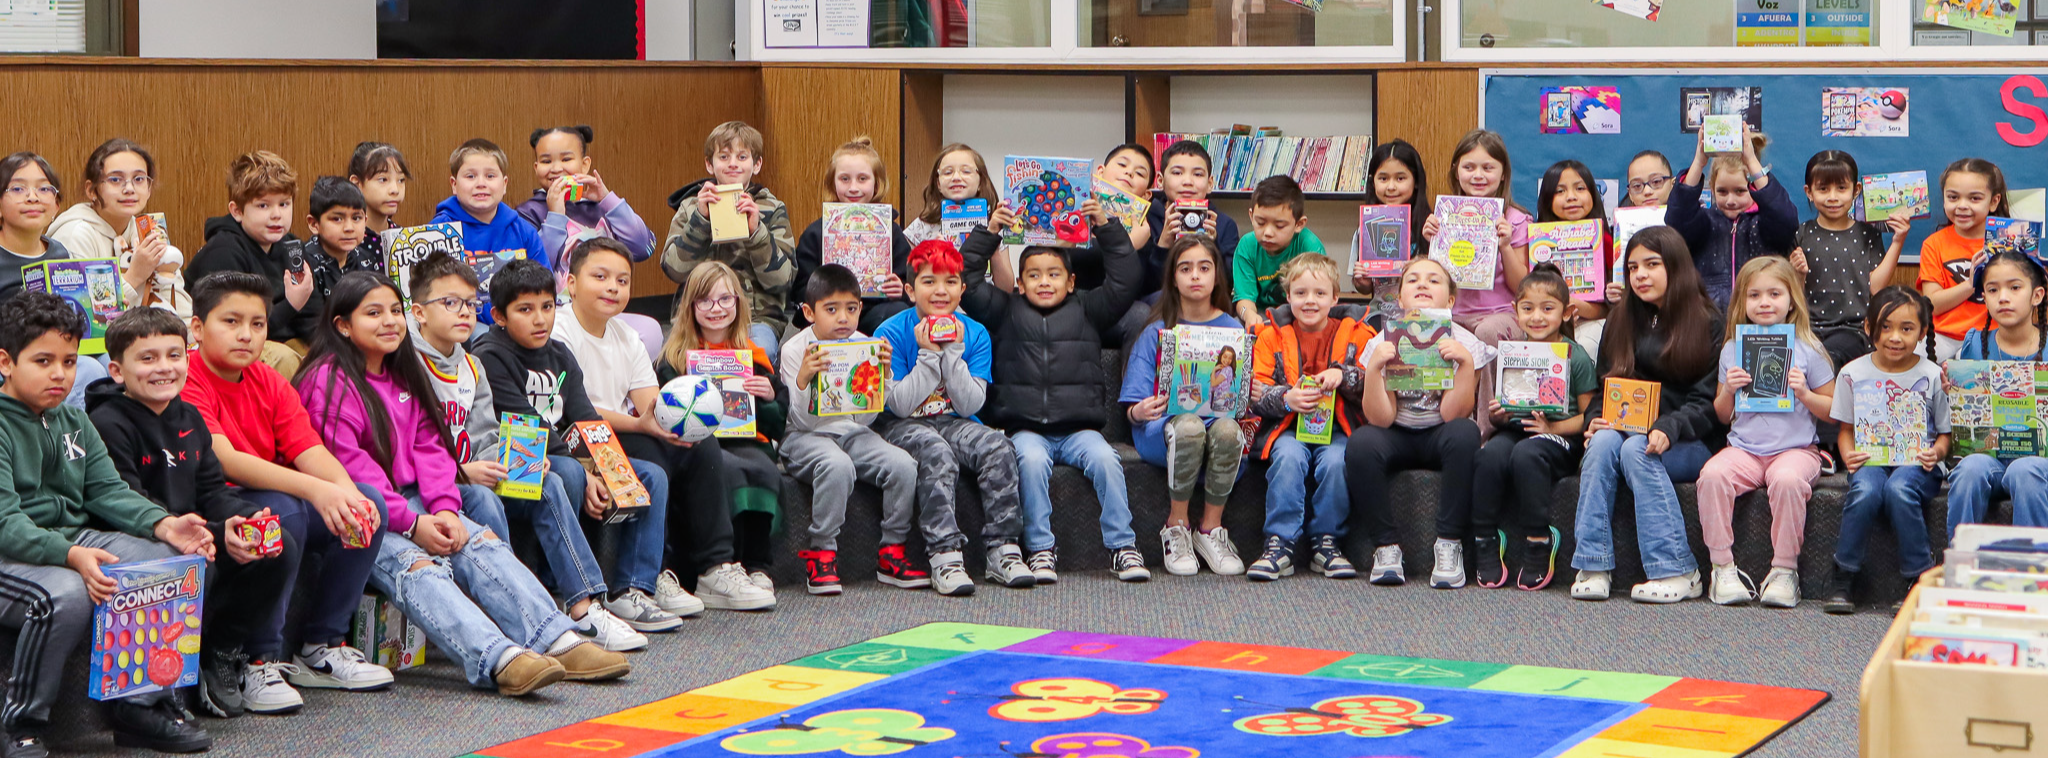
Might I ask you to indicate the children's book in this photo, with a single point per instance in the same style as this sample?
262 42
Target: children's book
1628 221
1205 370
728 224
1631 405
732 368
1891 421
523 451
1534 377
1466 242
145 637
1987 16
1722 135
1767 353
1122 206
958 219
1045 193
1383 243
851 383
1992 408
860 236
487 264
602 455
385 635
93 285
1885 194
1313 428
1948 644
2012 235
1417 365
1575 248
406 246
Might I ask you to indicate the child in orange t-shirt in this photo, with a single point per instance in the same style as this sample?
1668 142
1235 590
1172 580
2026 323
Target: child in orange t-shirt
1972 189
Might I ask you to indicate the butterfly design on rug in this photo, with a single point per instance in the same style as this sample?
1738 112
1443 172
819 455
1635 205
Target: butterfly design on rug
1356 715
1040 700
1100 745
861 731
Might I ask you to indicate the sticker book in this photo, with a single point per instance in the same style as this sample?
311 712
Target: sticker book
93 285
1383 238
1767 354
145 637
860 236
1891 421
853 378
407 246
732 368
1418 366
1534 377
1992 408
1575 248
1205 370
1046 195
1631 405
1885 194
1465 239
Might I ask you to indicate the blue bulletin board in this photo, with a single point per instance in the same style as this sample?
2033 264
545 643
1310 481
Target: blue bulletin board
1997 114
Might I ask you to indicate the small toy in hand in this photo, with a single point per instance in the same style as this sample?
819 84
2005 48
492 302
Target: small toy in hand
356 532
264 535
1191 214
943 329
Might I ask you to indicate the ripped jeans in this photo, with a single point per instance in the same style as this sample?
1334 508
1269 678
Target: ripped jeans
505 605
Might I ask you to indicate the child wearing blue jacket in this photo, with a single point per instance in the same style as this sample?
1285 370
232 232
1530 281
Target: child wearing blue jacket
1753 216
476 179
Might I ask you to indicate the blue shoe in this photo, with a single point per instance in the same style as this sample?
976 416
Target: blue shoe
1275 561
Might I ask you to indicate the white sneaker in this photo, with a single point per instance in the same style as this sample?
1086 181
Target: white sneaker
761 579
949 574
1781 588
635 609
1670 589
338 667
612 633
264 689
1386 566
1730 586
726 587
1179 545
1449 571
1593 585
1044 565
670 595
1217 550
1006 567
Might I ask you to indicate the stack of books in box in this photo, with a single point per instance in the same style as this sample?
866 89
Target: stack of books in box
1241 156
1992 605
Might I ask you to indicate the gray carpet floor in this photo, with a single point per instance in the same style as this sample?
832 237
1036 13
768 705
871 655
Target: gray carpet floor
434 714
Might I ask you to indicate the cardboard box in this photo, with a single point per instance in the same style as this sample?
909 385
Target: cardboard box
602 455
145 638
1913 708
1631 405
728 224
265 534
93 285
385 635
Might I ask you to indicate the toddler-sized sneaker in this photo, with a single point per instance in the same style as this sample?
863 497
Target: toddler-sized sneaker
1490 559
1781 589
1006 567
525 672
949 574
821 570
1044 566
1328 559
1539 562
893 568
1670 589
670 595
1841 600
727 587
1219 552
641 612
1730 586
264 689
612 633
1448 573
1275 561
1129 565
1179 546
1593 585
337 667
1386 566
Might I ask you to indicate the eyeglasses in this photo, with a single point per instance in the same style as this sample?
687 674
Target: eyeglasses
18 191
139 181
1655 182
455 304
715 303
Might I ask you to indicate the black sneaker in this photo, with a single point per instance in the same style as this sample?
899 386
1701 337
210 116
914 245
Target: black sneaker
1490 567
220 681
24 745
1539 562
1275 561
163 727
1840 601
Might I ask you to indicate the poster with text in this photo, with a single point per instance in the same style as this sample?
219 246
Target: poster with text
1864 112
1581 110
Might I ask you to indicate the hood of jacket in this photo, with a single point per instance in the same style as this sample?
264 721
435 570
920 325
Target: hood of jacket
83 216
478 235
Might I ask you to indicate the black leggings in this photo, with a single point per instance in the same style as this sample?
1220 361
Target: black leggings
1376 453
699 502
1519 468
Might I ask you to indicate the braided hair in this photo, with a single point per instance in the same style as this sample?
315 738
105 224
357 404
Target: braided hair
2035 276
1893 298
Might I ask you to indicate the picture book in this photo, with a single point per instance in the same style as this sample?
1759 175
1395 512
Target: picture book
1863 112
598 449
1885 194
1628 221
852 381
93 285
1891 421
1992 408
1383 238
1313 428
728 224
1205 370
1045 193
2012 235
1695 104
406 246
861 237
145 637
1466 242
732 369
1575 248
385 635
1534 377
1722 135
1122 206
1767 354
958 219
2029 628
1987 16
1581 110
1631 405
1417 365
1932 643
1990 538
487 264
523 451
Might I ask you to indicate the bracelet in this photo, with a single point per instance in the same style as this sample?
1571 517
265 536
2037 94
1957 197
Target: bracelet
1754 178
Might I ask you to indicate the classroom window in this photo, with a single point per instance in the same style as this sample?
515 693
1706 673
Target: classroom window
1237 23
1493 24
906 24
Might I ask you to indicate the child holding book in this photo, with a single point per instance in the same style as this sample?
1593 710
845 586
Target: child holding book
477 174
1418 429
2015 293
1279 233
1529 451
1649 180
1844 261
1568 193
338 215
119 178
1394 176
1663 332
561 166
1774 450
1191 448
732 155
380 172
1901 324
1184 177
1752 214
1972 189
1127 167
1480 168
855 175
958 175
255 238
32 193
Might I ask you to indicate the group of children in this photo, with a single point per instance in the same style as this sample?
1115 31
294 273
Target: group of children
366 417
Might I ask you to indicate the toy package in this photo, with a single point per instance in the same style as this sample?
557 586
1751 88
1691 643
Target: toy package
731 369
523 451
1991 408
1885 194
604 457
958 219
487 264
1314 427
852 381
1575 248
385 635
1045 193
1122 206
1383 244
2011 235
1891 421
1205 370
145 637
1628 221
1190 214
944 329
728 224
860 236
93 285
264 533
1418 366
1631 405
1767 353
1534 377
1722 135
407 246
1466 242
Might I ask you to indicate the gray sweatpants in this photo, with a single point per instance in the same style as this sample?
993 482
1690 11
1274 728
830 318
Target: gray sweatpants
942 445
833 462
50 606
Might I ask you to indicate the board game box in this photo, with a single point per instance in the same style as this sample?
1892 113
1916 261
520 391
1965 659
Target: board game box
523 451
1383 238
1122 206
1631 405
1575 248
404 247
958 219
1992 408
1418 366
853 379
1534 377
603 456
385 635
1891 421
1767 353
1466 242
145 637
1045 195
1885 194
1205 370
92 285
731 368
860 236
2002 235
728 224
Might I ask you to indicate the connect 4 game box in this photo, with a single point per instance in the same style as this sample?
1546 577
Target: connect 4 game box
146 636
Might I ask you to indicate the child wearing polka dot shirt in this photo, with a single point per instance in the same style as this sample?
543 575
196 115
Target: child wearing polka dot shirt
1844 261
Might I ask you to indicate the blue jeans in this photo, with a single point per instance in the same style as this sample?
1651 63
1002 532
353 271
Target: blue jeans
1980 479
343 573
1292 463
1087 451
91 368
641 539
1613 456
1898 494
571 570
764 337
504 605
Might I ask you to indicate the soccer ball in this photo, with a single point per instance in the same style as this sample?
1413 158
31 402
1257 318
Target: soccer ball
688 407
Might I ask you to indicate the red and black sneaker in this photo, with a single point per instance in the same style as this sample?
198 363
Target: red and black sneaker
821 569
895 570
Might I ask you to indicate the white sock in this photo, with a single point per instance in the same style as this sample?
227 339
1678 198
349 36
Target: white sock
564 642
505 659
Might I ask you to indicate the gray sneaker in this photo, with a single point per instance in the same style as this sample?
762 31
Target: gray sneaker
640 612
1328 559
1448 573
949 574
1006 567
220 681
1386 566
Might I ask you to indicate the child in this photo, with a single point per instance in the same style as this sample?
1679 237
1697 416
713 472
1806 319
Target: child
1279 233
1567 193
958 175
255 238
1480 168
718 320
1752 215
68 512
32 193
267 447
1394 176
2016 294
1418 429
855 175
119 178
1649 180
1664 332
369 391
1188 446
1048 383
533 375
1304 341
1129 167
380 172
732 155
834 452
443 315
476 174
1528 452
1901 323
1773 450
622 386
1183 176
561 162
337 212
1844 261
1972 189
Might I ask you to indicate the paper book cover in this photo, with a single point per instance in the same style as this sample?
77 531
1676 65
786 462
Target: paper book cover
1944 644
1383 241
860 236
1722 134
1864 112
1046 195
2012 235
1631 405
145 637
1466 242
523 451
603 456
1314 427
487 264
385 635
92 285
406 246
1205 370
852 381
732 368
728 224
1628 221
1885 194
1121 205
1891 421
1581 110
1534 377
1417 365
1987 16
1767 354
1992 408
957 219
1577 249
1695 104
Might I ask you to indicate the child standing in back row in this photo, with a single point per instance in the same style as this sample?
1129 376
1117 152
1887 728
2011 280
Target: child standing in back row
1394 176
1752 215
1972 189
1844 261
1480 168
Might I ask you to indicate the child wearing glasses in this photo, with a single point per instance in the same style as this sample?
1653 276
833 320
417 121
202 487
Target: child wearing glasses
119 176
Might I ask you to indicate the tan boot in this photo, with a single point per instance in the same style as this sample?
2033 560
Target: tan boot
586 661
527 672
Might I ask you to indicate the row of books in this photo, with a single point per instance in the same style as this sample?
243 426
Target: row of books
1995 407
1992 606
1242 156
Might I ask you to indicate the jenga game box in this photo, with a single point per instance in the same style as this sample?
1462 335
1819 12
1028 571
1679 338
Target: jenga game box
598 449
382 632
145 637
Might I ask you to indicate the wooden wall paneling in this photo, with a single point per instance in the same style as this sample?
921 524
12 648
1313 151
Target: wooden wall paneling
1431 108
807 112
923 124
1150 106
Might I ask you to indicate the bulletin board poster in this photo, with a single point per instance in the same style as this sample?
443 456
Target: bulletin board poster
2000 115
815 23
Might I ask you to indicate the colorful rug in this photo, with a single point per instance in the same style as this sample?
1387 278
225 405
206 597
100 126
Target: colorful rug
956 690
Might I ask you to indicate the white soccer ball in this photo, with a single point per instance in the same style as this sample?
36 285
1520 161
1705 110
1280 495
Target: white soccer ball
688 407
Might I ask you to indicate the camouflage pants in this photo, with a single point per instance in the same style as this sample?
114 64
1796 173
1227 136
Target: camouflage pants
942 446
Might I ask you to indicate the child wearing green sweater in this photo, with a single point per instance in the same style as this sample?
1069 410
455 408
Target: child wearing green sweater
1279 233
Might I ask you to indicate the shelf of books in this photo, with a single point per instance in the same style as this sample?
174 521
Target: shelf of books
1241 156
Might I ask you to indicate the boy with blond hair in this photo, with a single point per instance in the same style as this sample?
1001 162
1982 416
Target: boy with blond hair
732 155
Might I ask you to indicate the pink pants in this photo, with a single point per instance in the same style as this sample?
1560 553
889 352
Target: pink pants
1788 476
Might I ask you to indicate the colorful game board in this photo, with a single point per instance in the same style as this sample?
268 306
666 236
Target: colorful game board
950 689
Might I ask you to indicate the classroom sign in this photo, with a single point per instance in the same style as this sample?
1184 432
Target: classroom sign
1766 23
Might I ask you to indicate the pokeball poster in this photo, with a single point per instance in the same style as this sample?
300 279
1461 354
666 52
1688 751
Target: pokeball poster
146 636
1864 112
